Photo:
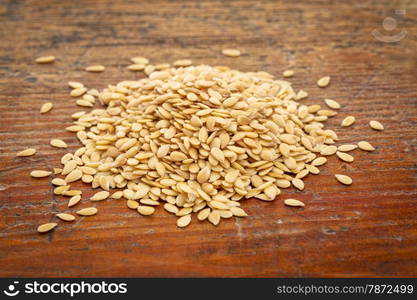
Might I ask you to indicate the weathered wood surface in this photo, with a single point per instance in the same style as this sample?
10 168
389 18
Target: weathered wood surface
368 229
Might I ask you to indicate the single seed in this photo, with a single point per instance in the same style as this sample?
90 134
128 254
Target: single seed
75 84
58 181
202 215
323 82
343 179
84 103
136 67
183 63
46 107
71 193
117 195
347 147
58 143
45 59
171 208
146 210
344 156
332 103
26 152
364 145
328 150
301 95
77 92
74 175
178 156
238 212
348 121
231 52
298 183
74 200
214 217
99 196
217 154
288 73
132 204
184 221
376 125
46 227
89 211
61 189
69 167
95 68
57 170
140 60
66 217
40 173
293 202
218 205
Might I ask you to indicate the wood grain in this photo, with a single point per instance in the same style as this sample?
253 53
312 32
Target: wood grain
368 229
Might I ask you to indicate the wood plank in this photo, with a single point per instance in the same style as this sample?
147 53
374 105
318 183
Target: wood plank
368 229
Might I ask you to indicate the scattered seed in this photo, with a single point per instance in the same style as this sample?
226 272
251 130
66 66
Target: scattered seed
46 107
61 189
45 59
376 125
231 52
136 67
74 175
89 211
78 92
74 200
298 183
58 143
140 60
40 173
332 103
328 150
46 227
58 181
363 145
66 217
84 103
301 95
288 73
343 179
347 147
348 121
323 82
344 156
71 193
26 152
293 202
99 196
57 171
95 68
75 84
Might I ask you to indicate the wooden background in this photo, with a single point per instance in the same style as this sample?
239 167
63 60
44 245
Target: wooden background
368 229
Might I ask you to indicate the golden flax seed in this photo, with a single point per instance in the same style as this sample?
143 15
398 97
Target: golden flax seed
26 152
